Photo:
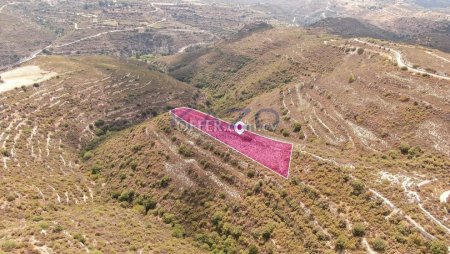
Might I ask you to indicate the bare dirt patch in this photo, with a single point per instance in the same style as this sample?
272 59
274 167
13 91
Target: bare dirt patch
24 76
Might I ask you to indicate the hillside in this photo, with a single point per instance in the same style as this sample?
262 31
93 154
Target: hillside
91 162
49 205
345 91
122 28
370 150
227 203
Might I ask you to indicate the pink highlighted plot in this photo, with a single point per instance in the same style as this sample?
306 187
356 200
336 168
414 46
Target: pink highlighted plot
273 154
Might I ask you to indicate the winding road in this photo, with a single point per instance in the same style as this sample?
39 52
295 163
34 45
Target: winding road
402 62
108 32
35 53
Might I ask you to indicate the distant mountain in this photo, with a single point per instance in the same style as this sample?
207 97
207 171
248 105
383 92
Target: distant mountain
351 27
433 3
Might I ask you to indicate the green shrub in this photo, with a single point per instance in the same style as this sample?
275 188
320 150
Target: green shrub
230 245
96 169
99 132
404 68
404 229
358 187
267 232
379 245
438 247
205 164
252 249
404 148
217 218
301 135
360 51
6 153
58 229
139 209
136 148
133 165
43 225
149 204
87 156
393 154
358 230
341 243
99 123
414 152
126 196
178 231
9 245
297 127
115 195
164 182
185 151
80 238
351 79
168 218
10 197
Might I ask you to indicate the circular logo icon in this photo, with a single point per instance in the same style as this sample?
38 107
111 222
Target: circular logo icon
239 128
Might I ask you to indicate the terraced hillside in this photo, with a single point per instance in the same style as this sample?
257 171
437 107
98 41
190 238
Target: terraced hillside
48 205
373 113
345 92
228 203
91 161
122 28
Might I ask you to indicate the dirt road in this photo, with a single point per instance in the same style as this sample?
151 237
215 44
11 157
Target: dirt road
402 62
